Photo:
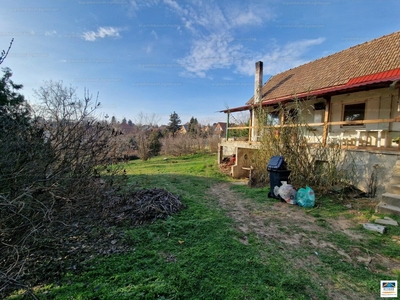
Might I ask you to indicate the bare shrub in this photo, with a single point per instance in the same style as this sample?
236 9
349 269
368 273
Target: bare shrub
311 163
148 143
52 163
213 141
183 144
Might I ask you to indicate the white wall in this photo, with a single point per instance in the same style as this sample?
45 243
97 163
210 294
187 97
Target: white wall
379 104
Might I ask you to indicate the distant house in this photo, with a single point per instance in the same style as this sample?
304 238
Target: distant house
220 129
354 100
184 128
126 128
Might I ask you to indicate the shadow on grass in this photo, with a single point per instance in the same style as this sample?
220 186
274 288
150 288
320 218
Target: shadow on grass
194 254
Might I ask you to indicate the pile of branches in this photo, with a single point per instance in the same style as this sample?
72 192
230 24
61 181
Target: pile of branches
142 206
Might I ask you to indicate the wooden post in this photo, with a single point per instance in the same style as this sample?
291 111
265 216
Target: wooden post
250 125
326 120
227 125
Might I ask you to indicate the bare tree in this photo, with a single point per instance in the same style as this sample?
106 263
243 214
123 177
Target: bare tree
147 137
4 54
150 120
50 166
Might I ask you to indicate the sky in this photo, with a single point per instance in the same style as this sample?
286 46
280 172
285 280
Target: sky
194 57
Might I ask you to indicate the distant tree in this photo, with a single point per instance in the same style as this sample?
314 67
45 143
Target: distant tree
174 123
113 120
124 121
148 143
154 142
193 127
9 96
130 123
145 119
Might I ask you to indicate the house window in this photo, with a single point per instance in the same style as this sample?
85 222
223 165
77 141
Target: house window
273 118
291 116
353 112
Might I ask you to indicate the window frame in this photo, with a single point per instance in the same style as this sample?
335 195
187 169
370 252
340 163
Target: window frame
363 115
273 118
291 116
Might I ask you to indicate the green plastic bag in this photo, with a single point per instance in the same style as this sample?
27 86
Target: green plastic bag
305 197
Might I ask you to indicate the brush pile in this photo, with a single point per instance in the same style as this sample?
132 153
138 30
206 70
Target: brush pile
142 206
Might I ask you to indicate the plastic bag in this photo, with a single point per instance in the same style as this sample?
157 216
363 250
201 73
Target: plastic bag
287 192
305 197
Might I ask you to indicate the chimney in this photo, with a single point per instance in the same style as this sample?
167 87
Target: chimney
258 82
257 99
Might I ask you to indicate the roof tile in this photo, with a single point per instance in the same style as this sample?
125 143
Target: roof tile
376 56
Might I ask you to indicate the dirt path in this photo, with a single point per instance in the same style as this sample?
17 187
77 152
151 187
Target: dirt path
295 231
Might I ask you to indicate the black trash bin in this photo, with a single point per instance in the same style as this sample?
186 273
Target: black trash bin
277 172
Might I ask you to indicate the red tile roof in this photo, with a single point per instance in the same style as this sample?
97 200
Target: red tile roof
374 61
373 77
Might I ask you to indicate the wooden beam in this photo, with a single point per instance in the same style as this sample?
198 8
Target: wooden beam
359 122
227 125
326 121
250 124
362 122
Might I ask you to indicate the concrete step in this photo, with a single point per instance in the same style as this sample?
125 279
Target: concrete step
396 168
387 209
393 189
395 179
391 199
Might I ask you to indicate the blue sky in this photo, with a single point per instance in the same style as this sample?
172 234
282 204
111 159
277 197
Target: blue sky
154 57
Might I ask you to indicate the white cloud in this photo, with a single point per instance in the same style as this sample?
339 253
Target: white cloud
50 33
212 52
135 5
279 59
154 34
215 44
200 16
248 14
102 32
247 18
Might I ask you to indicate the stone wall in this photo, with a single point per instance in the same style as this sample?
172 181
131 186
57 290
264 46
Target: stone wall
367 166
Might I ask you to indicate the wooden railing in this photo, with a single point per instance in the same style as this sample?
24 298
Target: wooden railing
325 126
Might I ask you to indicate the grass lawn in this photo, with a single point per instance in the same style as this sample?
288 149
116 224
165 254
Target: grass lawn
199 253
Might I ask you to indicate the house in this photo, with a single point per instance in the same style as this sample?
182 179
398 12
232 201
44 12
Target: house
184 128
220 129
354 95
